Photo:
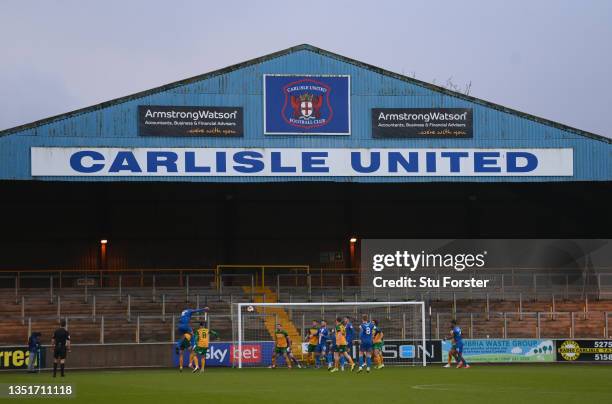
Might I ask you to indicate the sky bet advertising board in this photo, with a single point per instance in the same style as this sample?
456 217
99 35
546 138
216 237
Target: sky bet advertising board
307 105
221 354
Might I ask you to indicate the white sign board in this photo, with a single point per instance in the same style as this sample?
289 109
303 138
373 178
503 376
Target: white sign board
279 162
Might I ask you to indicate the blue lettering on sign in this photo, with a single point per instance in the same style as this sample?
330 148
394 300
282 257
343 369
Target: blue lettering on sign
277 165
221 162
531 162
455 160
191 166
430 159
352 162
248 162
125 161
486 162
76 161
166 159
357 166
410 166
312 162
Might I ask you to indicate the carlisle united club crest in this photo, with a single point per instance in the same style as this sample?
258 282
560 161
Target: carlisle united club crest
307 104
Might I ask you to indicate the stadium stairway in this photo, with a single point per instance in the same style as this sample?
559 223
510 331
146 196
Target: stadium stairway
274 315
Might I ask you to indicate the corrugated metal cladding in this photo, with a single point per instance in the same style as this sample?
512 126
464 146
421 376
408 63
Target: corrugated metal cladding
114 124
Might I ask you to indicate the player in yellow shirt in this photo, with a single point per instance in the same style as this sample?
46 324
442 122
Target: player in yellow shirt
281 342
341 350
200 347
378 345
313 340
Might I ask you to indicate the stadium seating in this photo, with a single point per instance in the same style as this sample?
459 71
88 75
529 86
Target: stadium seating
139 312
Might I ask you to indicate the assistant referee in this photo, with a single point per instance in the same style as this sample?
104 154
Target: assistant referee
61 343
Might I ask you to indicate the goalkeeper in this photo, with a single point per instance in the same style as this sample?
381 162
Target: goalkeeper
282 341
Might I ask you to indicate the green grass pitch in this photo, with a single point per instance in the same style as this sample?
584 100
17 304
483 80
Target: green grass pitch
517 384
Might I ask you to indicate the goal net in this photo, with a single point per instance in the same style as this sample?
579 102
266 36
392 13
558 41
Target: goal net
255 324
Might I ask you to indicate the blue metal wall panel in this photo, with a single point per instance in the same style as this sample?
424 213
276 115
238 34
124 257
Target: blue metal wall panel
116 125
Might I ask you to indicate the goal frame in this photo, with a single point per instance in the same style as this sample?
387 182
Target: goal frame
253 304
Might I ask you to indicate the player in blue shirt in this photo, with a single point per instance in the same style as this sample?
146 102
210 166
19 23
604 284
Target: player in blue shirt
350 334
186 332
331 348
458 339
366 331
350 331
185 319
34 349
321 349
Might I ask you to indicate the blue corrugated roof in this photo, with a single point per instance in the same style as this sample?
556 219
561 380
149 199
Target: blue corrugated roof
114 123
297 48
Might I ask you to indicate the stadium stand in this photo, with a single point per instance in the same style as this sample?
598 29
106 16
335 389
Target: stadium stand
141 307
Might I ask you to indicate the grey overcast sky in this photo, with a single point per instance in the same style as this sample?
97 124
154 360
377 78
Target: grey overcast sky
551 58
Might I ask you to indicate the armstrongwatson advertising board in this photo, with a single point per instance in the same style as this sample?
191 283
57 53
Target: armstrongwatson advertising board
422 123
188 121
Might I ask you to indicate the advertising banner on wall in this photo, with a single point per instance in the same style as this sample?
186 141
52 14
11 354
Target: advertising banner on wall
422 122
18 358
190 121
294 162
405 352
226 354
584 350
505 350
307 105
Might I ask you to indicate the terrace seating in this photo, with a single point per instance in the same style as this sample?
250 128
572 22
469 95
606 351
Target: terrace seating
145 314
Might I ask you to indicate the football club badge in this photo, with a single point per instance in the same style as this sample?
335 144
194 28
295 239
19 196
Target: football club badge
306 105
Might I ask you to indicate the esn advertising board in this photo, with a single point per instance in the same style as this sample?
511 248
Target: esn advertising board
410 351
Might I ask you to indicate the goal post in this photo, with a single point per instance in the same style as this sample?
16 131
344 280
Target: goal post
403 325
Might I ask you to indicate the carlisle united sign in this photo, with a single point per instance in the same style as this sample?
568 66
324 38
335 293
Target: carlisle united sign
276 162
306 105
